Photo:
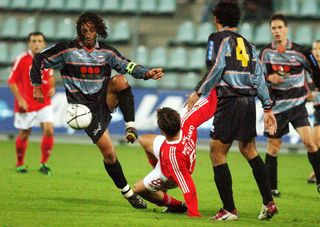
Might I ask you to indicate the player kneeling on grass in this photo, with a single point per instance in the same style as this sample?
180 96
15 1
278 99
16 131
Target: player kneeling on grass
173 156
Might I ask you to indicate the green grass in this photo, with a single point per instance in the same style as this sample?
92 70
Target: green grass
79 193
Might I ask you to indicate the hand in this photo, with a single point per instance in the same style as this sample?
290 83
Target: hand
155 74
38 95
52 91
275 78
23 104
193 98
310 96
270 122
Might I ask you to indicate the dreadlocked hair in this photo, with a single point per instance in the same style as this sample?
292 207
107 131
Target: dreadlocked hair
168 121
92 18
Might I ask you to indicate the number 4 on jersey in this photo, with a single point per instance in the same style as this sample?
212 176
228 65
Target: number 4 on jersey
241 52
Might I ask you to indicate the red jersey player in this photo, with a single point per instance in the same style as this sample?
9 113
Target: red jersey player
173 156
29 112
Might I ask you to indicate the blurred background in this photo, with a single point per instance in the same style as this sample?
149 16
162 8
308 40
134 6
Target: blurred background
157 33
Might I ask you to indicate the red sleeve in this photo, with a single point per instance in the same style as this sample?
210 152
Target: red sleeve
202 111
15 72
182 177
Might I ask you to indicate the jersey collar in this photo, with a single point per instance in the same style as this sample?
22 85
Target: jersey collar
274 45
176 141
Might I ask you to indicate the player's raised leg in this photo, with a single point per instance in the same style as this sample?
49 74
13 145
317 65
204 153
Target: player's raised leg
114 169
120 94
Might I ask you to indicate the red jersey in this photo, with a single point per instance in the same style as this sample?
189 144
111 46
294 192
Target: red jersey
177 158
20 76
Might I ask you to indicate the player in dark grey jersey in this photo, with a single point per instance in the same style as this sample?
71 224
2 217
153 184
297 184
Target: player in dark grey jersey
234 70
286 64
85 65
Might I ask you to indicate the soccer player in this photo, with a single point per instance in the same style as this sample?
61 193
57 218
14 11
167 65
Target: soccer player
316 106
28 112
173 156
234 70
286 62
85 65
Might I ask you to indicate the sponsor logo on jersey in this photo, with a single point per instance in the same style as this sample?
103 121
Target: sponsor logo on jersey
210 50
101 59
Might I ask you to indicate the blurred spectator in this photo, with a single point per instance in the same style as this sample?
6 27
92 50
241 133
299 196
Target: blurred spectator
257 9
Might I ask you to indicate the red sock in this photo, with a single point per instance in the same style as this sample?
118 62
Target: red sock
153 162
46 148
169 201
21 147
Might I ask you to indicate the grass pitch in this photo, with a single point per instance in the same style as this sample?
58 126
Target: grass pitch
79 193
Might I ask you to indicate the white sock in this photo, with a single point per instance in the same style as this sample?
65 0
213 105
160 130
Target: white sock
129 124
127 191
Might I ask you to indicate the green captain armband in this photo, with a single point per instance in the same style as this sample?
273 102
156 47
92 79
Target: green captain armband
130 67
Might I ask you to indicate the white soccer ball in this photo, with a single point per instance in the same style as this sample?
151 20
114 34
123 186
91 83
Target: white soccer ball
78 116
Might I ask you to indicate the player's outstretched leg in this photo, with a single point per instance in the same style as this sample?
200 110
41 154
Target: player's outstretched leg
115 172
21 147
120 94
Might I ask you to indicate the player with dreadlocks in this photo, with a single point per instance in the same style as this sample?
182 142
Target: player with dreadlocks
85 66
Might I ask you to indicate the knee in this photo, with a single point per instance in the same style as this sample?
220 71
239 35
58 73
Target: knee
217 158
118 83
24 134
143 141
273 147
109 157
310 145
48 132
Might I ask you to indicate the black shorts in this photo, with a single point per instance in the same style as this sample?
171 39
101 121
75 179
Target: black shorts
101 118
316 115
297 116
235 119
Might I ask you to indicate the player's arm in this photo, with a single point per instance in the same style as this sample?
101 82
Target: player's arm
202 111
52 57
215 61
312 66
124 65
259 82
185 182
12 83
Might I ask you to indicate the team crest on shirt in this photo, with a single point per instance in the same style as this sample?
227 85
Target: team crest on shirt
101 59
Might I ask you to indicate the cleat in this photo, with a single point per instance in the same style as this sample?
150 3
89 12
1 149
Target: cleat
268 211
176 209
275 193
224 215
21 169
137 202
312 179
44 169
131 134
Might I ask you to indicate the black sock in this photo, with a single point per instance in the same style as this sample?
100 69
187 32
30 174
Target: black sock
260 175
115 172
272 170
223 180
314 159
126 104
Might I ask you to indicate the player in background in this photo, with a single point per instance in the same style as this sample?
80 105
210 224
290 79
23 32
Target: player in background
173 156
234 70
316 106
286 62
27 112
85 66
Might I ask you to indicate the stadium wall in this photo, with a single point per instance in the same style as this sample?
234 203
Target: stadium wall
146 103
